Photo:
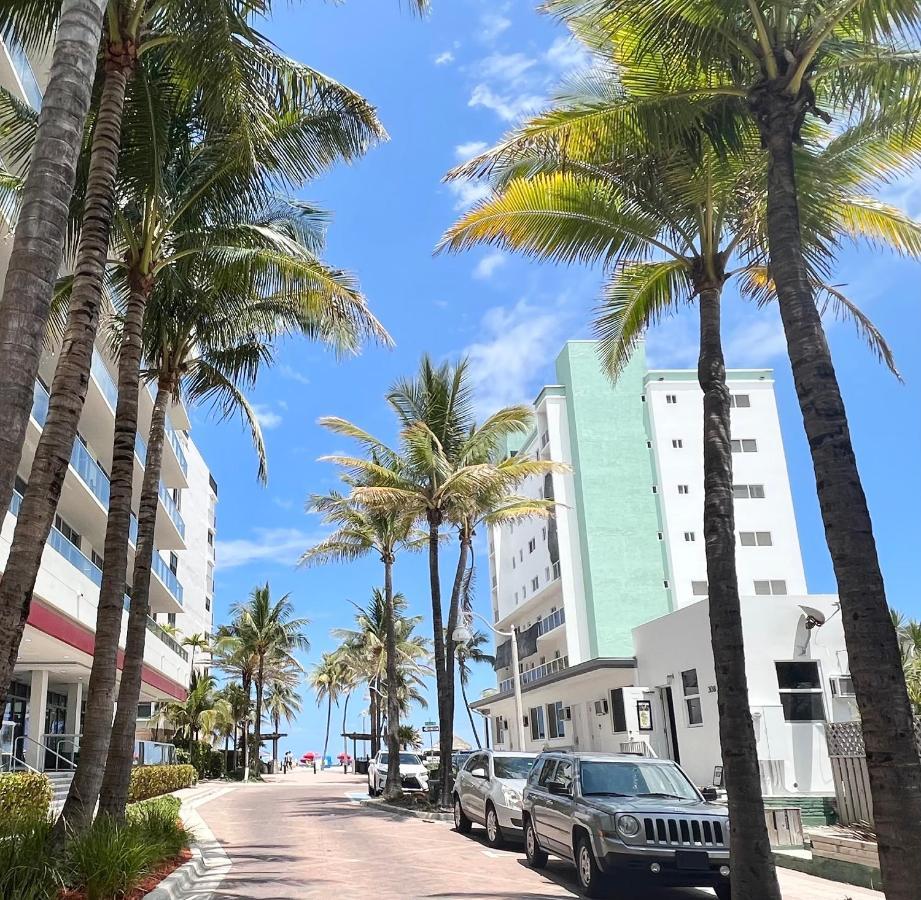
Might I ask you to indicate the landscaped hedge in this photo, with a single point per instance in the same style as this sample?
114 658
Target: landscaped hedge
24 795
152 781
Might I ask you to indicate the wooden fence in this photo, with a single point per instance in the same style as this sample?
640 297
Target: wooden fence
849 768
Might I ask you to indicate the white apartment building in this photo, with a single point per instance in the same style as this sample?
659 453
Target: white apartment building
43 710
608 597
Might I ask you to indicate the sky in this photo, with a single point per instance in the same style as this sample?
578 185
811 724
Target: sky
445 88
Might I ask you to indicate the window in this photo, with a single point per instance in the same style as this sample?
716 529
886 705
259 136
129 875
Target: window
745 445
516 598
690 536
171 618
748 491
655 489
671 399
618 711
683 489
514 562
207 604
555 727
476 760
532 545
740 401
524 591
691 689
665 583
547 572
521 556
678 444
661 536
755 539
546 773
536 718
649 445
71 534
700 588
563 774
543 534
800 691
96 559
210 538
767 588
535 583
209 583
498 729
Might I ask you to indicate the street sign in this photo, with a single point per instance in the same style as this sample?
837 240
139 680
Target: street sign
430 728
430 723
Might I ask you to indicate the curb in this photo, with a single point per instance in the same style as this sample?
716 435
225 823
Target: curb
378 806
202 875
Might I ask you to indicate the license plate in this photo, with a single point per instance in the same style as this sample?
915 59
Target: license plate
692 859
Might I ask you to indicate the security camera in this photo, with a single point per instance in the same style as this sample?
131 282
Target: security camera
815 618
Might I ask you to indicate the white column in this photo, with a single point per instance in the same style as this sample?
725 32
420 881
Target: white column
38 704
73 723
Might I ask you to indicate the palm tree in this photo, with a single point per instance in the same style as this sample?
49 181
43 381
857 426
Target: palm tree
282 701
197 641
235 660
269 634
768 67
472 652
361 530
409 738
326 678
199 712
39 241
240 710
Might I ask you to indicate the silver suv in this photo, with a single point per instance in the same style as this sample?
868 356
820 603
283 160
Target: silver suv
624 817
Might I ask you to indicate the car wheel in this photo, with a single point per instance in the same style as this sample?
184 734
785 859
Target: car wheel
723 892
461 823
591 878
493 828
537 859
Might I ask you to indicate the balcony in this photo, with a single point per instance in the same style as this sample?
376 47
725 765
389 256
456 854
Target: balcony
166 498
31 89
551 622
532 676
167 577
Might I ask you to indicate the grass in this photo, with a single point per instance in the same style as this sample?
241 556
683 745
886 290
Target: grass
27 872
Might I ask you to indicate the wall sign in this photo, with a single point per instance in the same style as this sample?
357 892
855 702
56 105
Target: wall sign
644 714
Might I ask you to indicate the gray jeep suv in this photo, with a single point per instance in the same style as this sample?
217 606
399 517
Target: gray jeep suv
625 819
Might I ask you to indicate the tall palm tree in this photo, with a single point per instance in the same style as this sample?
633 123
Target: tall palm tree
199 712
38 244
270 634
282 701
772 67
326 678
235 660
472 652
360 530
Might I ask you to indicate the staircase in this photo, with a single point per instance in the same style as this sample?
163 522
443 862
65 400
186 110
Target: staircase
60 784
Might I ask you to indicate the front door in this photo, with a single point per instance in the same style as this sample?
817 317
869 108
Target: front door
670 733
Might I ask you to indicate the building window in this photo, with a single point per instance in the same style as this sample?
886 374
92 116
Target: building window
745 445
532 545
536 718
665 583
543 534
70 533
690 536
171 618
524 591
173 563
210 538
516 598
691 689
683 489
207 604
514 562
655 489
535 583
677 444
521 556
498 726
748 491
740 401
547 572
671 399
649 445
800 691
96 559
775 587
661 536
700 588
555 726
756 539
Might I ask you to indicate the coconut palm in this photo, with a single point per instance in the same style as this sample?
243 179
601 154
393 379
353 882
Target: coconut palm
327 679
472 652
409 738
282 701
39 241
199 712
361 530
195 642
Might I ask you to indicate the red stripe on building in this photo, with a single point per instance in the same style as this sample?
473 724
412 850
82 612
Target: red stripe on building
62 628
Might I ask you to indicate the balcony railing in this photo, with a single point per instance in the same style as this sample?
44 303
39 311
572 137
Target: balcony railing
167 576
154 628
24 72
554 620
166 498
537 674
173 437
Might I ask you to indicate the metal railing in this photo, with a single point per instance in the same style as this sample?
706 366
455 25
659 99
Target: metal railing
173 437
539 673
554 620
166 498
167 576
155 629
62 747
43 751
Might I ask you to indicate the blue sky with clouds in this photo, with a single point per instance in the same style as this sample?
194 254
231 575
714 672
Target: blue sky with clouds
444 88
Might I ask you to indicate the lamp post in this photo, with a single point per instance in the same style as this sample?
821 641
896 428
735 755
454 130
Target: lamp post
462 635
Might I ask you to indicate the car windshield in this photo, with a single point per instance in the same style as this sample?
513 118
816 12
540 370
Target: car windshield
635 779
512 766
406 759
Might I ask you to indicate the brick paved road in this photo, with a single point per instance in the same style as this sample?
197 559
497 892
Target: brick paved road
301 838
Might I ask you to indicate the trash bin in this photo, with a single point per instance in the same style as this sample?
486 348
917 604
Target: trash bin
361 766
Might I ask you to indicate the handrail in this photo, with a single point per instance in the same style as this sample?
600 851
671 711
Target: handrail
16 764
23 738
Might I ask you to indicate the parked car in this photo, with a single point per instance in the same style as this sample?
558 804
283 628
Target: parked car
413 774
458 758
431 759
632 817
488 790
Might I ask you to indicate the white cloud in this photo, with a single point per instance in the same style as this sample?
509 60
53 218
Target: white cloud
488 265
568 54
278 546
518 344
293 374
508 107
492 24
756 341
507 68
470 149
466 193
267 418
283 502
444 59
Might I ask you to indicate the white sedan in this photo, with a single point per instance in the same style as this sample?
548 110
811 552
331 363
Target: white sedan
488 791
413 774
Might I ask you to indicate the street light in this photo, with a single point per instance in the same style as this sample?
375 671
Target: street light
462 635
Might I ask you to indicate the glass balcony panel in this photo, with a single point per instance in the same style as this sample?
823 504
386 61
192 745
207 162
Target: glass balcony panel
91 473
40 404
176 444
104 380
172 510
63 546
24 70
167 576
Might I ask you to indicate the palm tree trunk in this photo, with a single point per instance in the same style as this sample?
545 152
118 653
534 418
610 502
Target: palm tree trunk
277 720
345 710
753 874
879 681
236 745
157 488
114 792
71 378
446 688
38 244
445 714
375 722
257 725
392 787
476 734
247 686
97 727
329 717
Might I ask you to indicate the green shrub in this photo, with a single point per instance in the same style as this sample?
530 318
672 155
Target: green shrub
28 871
158 821
152 781
165 802
217 764
24 796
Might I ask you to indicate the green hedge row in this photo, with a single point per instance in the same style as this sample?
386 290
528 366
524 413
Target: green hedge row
152 781
24 795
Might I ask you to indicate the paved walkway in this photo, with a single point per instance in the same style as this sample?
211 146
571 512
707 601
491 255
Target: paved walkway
300 837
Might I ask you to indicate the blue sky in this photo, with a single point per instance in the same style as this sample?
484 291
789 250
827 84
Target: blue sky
443 88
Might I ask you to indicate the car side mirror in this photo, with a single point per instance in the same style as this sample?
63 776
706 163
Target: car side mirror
710 794
559 789
478 772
